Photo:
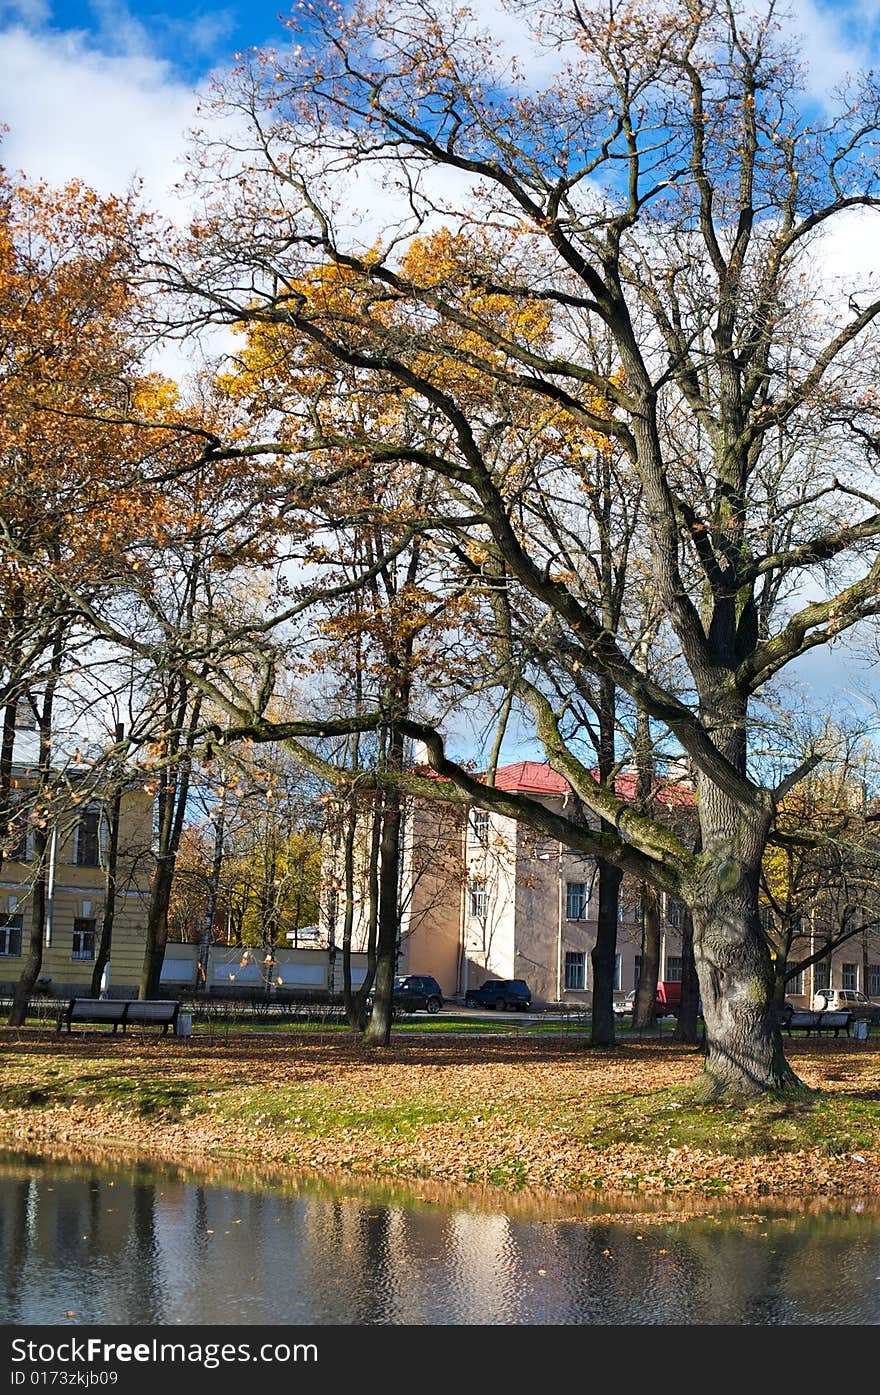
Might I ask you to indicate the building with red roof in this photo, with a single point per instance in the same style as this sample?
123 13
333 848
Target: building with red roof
485 896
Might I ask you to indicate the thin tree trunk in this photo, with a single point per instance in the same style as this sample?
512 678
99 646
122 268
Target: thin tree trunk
604 955
378 1029
33 959
108 916
645 1008
172 812
207 938
348 919
687 1023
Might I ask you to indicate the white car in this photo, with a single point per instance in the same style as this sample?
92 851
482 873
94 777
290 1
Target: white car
846 1000
624 1006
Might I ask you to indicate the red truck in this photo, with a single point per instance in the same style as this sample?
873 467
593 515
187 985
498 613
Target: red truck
666 1003
668 999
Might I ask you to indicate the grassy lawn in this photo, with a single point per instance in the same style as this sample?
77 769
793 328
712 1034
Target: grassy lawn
518 1109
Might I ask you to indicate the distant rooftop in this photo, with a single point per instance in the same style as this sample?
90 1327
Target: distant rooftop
537 777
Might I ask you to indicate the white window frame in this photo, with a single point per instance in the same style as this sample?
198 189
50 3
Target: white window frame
576 969
478 900
577 892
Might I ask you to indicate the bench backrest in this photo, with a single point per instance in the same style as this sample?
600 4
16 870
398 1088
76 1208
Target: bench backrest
96 1009
802 1017
152 1010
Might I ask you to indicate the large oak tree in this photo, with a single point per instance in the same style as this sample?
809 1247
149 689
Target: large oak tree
667 190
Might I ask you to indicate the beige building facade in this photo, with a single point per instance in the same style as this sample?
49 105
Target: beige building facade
485 897
75 897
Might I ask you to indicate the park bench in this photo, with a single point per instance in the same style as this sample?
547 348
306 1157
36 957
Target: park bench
802 1020
121 1011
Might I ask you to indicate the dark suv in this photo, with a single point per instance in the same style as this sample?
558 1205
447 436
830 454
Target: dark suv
501 993
417 991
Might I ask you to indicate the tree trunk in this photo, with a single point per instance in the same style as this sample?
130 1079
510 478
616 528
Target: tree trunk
105 941
745 1055
173 798
378 1031
157 926
33 962
213 892
645 1009
348 920
687 1023
604 955
33 959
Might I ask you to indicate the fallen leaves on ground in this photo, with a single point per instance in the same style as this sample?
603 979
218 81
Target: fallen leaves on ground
509 1113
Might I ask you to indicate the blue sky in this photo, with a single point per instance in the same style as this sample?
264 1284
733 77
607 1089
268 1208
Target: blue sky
105 91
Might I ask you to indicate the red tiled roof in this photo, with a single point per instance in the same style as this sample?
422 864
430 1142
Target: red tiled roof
532 777
536 777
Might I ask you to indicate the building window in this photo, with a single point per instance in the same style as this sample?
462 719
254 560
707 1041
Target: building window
478 826
766 920
796 984
577 900
10 935
850 976
674 911
83 938
821 975
87 841
478 899
575 970
872 986
673 968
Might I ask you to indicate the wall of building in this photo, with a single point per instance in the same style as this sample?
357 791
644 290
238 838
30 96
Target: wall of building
234 968
432 893
489 936
76 892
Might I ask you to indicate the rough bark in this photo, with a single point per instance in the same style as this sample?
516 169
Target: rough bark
108 915
745 1055
378 1030
173 796
33 959
603 955
687 1022
213 890
645 1007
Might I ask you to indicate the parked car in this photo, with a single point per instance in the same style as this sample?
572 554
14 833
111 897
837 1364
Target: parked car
846 999
501 994
412 992
666 1003
624 1006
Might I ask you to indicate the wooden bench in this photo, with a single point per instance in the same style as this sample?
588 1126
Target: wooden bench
801 1020
121 1011
161 1011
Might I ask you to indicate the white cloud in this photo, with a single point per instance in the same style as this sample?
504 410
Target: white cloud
75 112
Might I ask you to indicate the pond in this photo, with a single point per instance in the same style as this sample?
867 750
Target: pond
138 1244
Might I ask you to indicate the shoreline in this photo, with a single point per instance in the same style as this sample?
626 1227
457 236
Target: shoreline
525 1118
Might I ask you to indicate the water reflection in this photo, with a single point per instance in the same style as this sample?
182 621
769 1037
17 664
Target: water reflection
145 1246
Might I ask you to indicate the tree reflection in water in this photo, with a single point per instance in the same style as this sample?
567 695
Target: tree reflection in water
145 1245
